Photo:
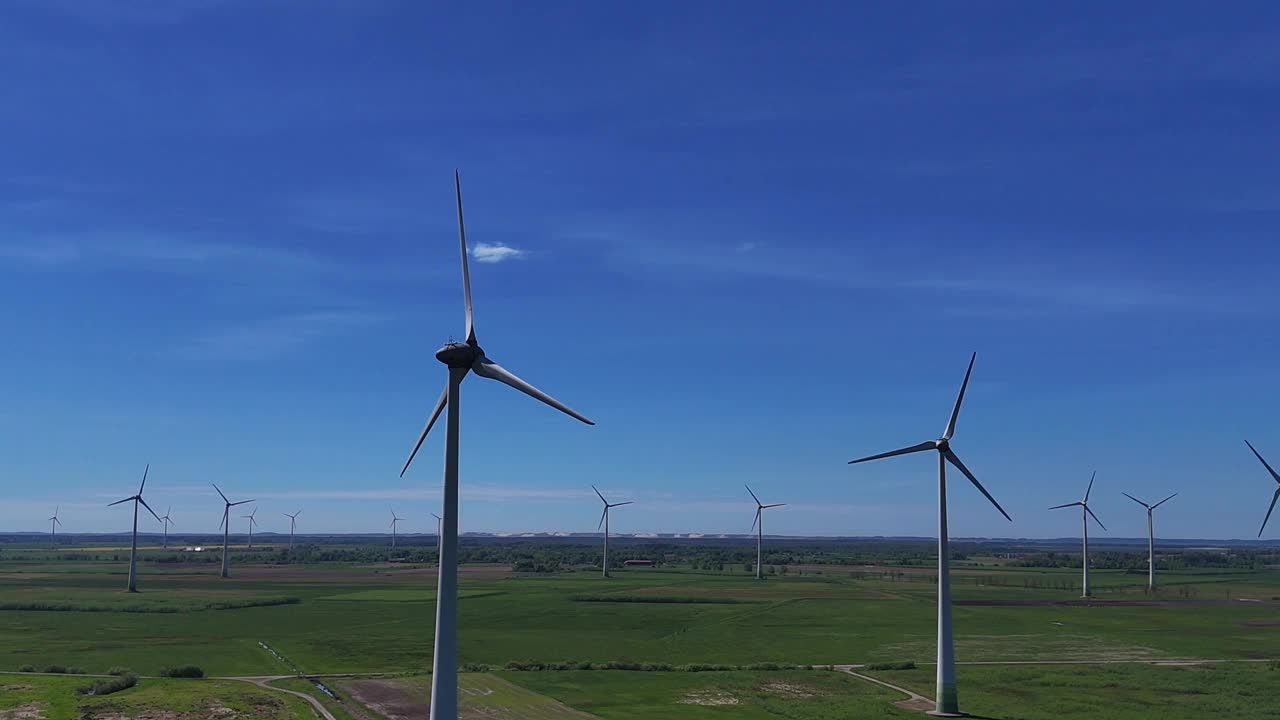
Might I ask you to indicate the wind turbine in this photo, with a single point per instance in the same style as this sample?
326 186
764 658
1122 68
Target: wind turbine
133 551
438 518
1085 514
225 527
947 702
293 519
604 521
54 522
461 358
394 520
165 519
253 522
1274 498
1151 538
758 526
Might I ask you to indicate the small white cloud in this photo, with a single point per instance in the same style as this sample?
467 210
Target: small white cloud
747 246
495 253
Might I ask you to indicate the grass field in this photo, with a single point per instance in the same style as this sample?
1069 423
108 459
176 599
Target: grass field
378 618
27 697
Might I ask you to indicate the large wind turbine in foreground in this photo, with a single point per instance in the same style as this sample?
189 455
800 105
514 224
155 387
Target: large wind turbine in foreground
166 520
1275 476
604 521
947 703
758 526
54 522
133 550
225 527
293 521
1085 514
461 358
1151 538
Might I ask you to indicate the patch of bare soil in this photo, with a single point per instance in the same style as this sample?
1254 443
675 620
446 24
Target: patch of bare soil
16 688
387 698
708 697
30 711
1259 623
787 690
269 708
917 704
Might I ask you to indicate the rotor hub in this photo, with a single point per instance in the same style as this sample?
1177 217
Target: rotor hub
459 354
942 444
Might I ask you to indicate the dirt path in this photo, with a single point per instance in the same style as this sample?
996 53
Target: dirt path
262 683
914 701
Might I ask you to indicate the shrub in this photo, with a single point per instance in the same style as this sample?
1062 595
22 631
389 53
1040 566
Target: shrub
117 670
106 687
75 671
182 671
476 667
55 669
908 665
27 668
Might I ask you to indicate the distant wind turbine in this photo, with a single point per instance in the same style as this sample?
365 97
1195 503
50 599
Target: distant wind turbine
1085 514
293 520
133 551
165 519
947 702
1151 538
54 522
1275 476
461 358
604 521
253 522
758 526
225 527
438 518
394 520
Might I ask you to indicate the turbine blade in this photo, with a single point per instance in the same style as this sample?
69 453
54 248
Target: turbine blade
629 502
1153 507
224 518
955 460
1059 507
120 501
148 507
601 523
242 502
1090 488
1264 462
1136 500
484 367
753 522
462 245
224 497
56 521
955 411
926 445
773 505
753 495
436 516
435 414
1095 517
298 513
145 470
1274 498
606 502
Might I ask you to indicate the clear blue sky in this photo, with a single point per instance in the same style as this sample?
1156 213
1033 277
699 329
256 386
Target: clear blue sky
751 243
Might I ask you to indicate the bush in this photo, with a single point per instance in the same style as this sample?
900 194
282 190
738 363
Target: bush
27 668
75 671
908 665
55 669
182 671
117 670
476 667
106 687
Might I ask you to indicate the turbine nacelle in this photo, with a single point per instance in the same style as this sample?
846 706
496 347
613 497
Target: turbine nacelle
460 354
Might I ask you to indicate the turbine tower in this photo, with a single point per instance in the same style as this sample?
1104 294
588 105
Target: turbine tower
165 519
394 520
461 358
54 522
1275 476
758 526
1085 514
604 521
133 550
293 520
947 703
1151 538
225 527
438 518
253 522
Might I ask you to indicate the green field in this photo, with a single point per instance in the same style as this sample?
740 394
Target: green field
354 618
54 698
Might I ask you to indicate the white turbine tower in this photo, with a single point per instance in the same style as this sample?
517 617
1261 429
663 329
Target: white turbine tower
604 521
253 522
438 518
1085 514
225 527
394 520
1275 476
1151 538
54 522
461 358
165 519
758 526
133 551
947 702
293 521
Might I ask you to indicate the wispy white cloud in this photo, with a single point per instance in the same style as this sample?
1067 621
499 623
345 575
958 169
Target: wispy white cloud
747 246
495 252
275 336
